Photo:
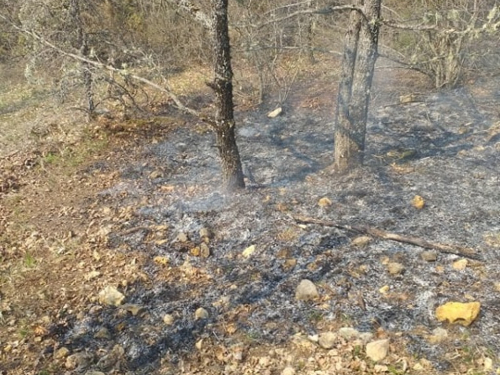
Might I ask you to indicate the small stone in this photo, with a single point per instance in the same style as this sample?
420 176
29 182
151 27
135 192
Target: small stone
377 350
275 113
313 338
103 333
204 250
182 237
327 340
168 319
288 371
418 202
306 290
418 367
264 361
78 360
438 335
380 368
488 364
395 268
110 296
199 344
460 264
349 333
429 255
361 241
93 372
385 289
155 174
205 232
61 353
290 263
136 310
201 313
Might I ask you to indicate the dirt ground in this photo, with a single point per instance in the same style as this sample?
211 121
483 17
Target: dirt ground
209 280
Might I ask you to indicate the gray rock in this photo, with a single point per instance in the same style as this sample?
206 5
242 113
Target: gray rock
306 291
79 361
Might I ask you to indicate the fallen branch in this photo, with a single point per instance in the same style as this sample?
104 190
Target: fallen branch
449 249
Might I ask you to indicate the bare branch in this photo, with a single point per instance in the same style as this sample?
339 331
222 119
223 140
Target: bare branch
195 11
326 10
124 72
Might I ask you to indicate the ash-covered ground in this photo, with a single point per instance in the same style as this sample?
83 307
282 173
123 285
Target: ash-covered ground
443 146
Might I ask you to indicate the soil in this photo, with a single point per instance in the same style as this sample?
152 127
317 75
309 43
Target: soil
143 212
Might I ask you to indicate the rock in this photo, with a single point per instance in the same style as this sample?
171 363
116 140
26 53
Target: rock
182 237
380 368
457 312
110 296
349 333
93 372
78 361
460 264
418 202
168 319
327 340
395 268
61 353
488 365
288 371
275 113
324 202
385 289
201 313
136 310
248 251
306 290
103 333
377 350
204 250
205 232
438 335
361 241
429 255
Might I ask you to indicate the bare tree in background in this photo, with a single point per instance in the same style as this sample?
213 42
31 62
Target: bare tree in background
360 54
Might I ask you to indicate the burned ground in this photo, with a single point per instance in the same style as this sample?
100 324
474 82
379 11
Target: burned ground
443 146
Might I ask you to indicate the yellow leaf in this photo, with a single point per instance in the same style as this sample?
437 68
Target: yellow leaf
248 251
161 260
457 312
418 202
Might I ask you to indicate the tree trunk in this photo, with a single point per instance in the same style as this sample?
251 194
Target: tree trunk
82 46
232 173
360 54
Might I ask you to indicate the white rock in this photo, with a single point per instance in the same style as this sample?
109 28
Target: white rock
111 296
168 319
201 313
377 350
327 340
306 290
288 371
275 113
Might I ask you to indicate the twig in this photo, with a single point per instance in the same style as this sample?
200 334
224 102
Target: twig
375 232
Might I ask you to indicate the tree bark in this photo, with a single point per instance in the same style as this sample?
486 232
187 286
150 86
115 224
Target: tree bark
232 172
360 55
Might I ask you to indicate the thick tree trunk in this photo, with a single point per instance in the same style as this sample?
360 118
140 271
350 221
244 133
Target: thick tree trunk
360 54
232 173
